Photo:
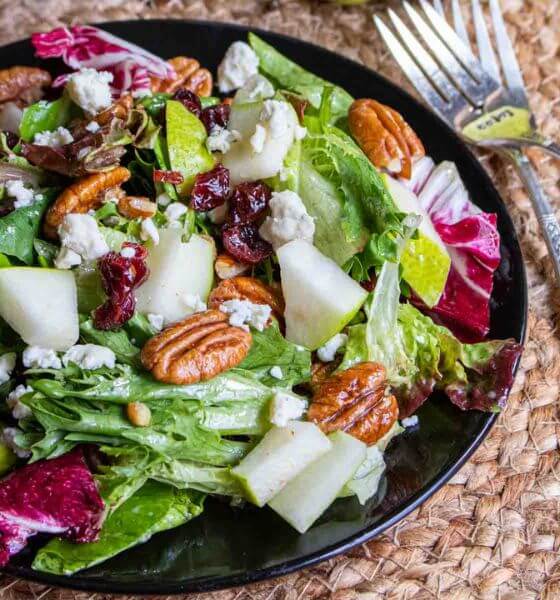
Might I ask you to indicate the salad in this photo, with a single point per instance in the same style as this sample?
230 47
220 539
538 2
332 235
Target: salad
243 290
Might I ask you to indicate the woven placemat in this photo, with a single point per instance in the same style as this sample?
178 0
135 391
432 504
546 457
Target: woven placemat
493 532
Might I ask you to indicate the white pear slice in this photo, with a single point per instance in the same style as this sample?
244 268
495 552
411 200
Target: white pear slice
320 297
41 305
243 162
304 499
177 270
280 456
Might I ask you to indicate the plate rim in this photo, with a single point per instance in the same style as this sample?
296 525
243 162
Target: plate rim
213 583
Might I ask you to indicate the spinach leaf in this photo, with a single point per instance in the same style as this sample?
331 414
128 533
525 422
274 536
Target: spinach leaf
46 252
155 507
47 116
19 228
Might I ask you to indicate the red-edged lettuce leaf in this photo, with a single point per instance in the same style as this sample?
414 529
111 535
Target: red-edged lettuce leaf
84 46
420 356
56 496
473 242
473 376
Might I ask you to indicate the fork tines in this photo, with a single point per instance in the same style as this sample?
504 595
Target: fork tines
448 76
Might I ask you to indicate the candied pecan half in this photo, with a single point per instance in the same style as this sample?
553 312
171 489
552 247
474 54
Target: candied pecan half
384 135
82 195
354 401
120 109
227 267
196 349
321 371
23 83
189 75
136 207
247 288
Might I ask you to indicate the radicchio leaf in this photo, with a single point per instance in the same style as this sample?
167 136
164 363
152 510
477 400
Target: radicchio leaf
473 242
84 46
51 496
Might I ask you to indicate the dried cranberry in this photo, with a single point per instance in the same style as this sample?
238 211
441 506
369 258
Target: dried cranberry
248 202
244 243
120 276
189 100
173 177
11 139
215 116
210 189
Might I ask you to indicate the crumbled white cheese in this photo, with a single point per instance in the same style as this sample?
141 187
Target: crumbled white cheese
194 303
7 364
55 139
128 252
35 357
243 313
218 215
410 421
258 139
10 117
148 231
276 372
9 438
163 199
89 357
80 233
175 211
255 88
276 114
19 410
66 259
221 139
327 352
237 66
285 407
23 196
93 126
90 90
156 321
288 220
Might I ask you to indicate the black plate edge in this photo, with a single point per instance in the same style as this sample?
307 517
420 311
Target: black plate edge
232 581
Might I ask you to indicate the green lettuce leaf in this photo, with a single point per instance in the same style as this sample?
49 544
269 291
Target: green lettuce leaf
117 341
175 429
19 228
271 349
155 507
287 75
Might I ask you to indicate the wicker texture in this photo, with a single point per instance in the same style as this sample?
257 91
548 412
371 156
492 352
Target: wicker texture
493 532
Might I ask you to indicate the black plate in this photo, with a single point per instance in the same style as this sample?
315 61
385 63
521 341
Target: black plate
226 547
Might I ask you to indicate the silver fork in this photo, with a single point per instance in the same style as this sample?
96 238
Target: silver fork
469 94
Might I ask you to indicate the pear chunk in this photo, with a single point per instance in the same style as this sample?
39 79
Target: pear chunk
320 297
41 305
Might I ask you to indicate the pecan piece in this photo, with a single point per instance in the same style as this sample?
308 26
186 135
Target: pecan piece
189 75
196 349
23 83
227 267
384 136
136 207
120 109
247 288
355 401
82 195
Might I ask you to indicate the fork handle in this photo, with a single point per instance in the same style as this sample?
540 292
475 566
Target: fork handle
542 207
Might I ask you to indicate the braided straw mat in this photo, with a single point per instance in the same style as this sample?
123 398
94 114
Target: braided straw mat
494 531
